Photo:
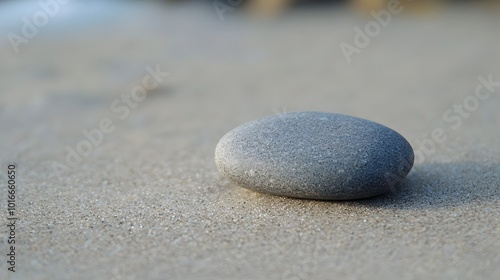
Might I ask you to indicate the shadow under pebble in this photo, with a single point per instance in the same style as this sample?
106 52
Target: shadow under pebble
442 185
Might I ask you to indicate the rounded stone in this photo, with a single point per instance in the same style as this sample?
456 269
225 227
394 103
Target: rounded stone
315 155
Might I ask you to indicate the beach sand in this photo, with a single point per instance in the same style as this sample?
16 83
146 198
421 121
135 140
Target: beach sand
148 202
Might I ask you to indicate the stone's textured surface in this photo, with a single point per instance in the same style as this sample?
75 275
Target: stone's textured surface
315 155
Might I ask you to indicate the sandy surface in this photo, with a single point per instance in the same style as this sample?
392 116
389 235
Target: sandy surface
148 202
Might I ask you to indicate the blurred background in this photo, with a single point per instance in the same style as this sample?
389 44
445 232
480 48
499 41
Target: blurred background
236 60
